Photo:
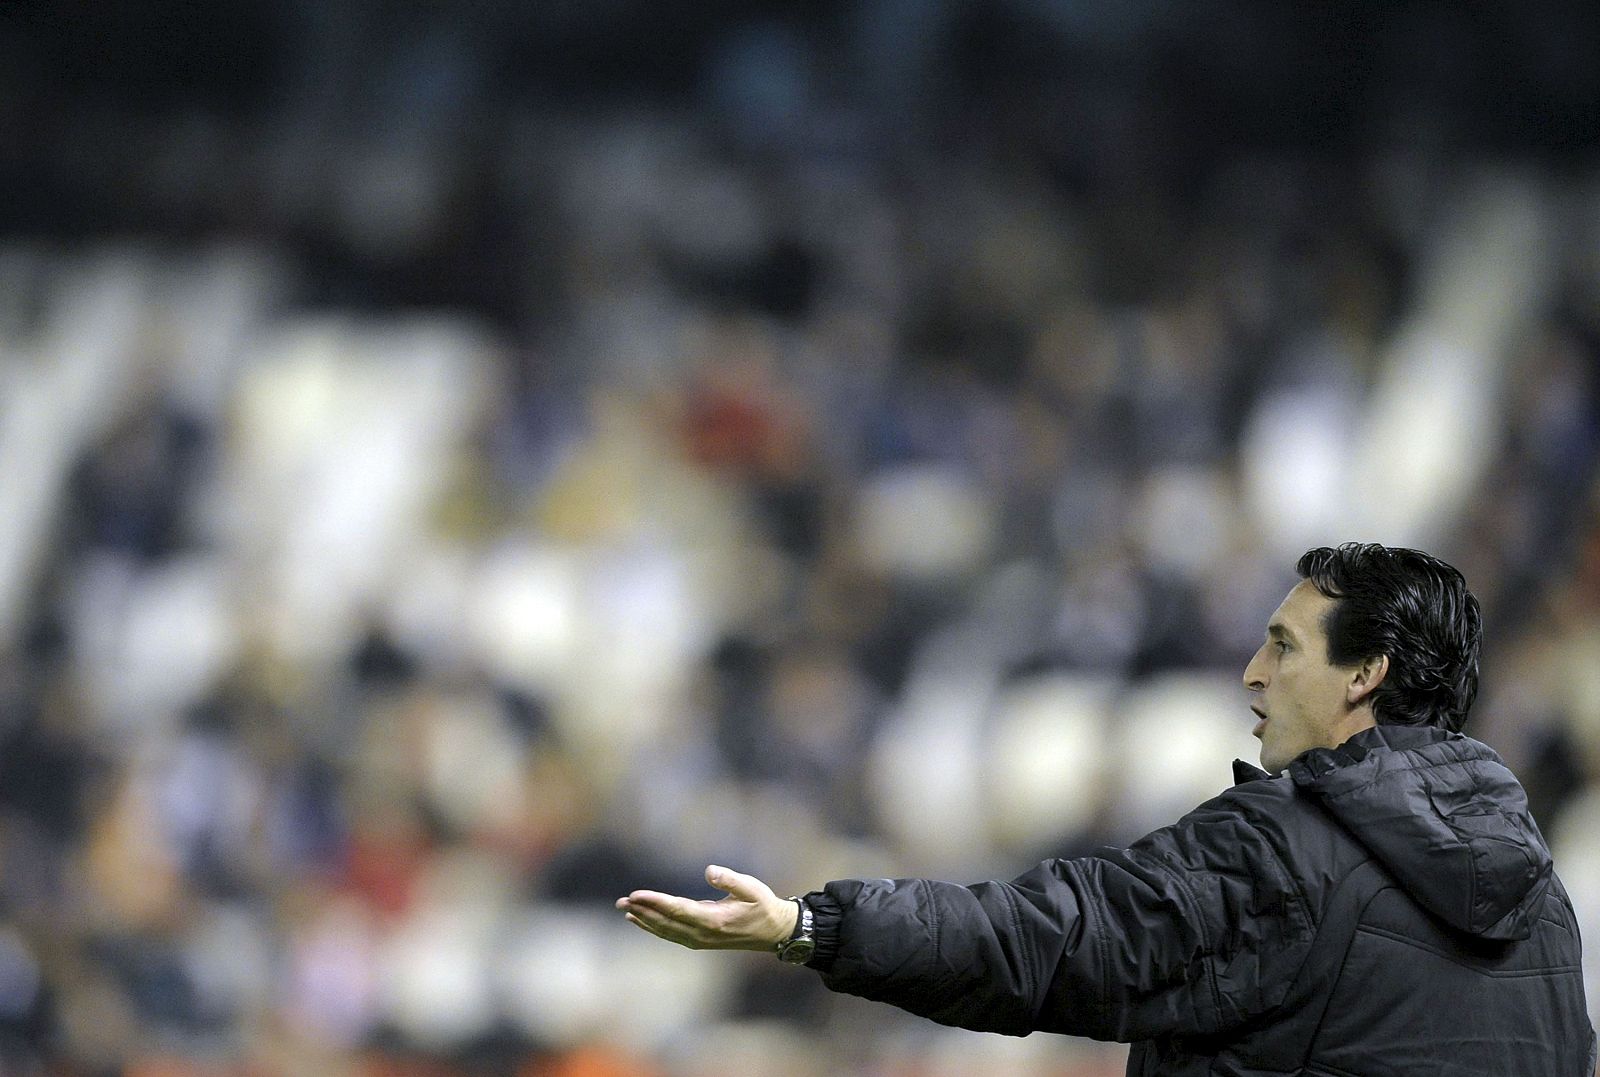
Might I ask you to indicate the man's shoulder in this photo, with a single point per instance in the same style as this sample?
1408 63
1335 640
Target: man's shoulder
1264 835
1269 798
1298 829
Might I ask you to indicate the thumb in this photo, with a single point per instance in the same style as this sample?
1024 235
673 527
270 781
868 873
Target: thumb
743 887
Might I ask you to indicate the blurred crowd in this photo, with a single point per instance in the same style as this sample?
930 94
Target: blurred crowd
438 502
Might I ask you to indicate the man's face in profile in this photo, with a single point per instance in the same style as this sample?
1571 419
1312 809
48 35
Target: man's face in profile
1301 698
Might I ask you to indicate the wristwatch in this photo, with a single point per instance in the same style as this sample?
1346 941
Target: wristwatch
798 948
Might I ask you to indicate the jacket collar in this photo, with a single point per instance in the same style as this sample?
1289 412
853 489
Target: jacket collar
1319 761
1244 772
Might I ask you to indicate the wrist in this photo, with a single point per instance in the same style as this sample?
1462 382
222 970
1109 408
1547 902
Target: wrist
787 916
799 944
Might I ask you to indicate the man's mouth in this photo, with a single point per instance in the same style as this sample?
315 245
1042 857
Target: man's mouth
1256 732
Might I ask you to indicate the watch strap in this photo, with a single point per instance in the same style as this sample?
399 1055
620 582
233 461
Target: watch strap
801 943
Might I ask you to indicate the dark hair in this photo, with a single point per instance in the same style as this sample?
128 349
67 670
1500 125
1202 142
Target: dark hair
1412 607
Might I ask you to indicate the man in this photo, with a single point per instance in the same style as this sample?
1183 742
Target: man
1376 902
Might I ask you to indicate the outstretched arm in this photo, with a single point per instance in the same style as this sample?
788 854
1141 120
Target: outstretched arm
1194 930
751 917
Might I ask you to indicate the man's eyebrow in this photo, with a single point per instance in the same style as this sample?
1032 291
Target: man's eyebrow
1278 628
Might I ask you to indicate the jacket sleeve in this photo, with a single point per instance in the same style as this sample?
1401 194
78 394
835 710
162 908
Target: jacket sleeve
1193 930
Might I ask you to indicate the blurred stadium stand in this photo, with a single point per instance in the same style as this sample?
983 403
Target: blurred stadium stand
461 462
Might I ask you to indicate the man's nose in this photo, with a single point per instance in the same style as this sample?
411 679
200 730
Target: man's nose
1254 677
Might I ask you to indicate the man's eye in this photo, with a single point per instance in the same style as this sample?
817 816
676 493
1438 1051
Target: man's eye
1283 648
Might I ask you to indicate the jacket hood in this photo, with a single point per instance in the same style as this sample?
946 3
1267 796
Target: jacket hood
1445 816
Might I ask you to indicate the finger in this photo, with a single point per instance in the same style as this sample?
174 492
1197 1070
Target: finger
642 925
677 908
663 928
656 898
700 921
648 895
655 921
743 887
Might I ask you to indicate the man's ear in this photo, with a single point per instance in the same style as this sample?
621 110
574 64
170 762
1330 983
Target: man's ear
1368 675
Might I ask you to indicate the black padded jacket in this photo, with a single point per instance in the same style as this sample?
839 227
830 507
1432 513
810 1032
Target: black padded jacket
1383 909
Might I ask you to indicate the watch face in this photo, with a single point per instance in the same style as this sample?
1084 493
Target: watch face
797 951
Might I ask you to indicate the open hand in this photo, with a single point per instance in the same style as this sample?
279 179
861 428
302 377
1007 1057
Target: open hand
751 917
